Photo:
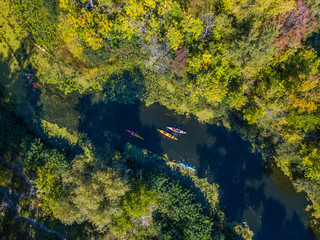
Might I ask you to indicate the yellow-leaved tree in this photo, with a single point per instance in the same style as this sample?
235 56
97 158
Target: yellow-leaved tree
209 87
306 97
268 9
174 36
303 88
193 26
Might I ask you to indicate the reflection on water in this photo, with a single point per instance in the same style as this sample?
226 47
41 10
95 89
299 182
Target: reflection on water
250 191
59 108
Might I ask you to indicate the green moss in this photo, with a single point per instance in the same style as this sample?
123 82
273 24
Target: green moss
53 130
205 115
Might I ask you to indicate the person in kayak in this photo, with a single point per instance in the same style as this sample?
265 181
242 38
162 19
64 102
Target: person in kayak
30 80
132 133
41 48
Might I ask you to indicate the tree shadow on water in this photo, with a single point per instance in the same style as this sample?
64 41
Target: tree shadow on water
277 226
33 95
124 87
105 123
242 186
233 167
12 73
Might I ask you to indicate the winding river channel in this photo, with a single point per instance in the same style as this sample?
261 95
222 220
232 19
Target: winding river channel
250 190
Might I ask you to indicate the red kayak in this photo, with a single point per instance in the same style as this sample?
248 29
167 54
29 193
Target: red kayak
176 130
134 134
30 80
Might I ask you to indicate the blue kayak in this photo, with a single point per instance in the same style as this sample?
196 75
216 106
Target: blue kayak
187 166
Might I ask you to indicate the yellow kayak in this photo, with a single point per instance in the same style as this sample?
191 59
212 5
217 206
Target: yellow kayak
41 48
167 134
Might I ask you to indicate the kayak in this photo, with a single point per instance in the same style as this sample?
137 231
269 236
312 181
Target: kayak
41 48
30 80
176 130
134 134
167 134
187 166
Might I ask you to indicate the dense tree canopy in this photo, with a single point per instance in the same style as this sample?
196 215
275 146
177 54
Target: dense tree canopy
252 66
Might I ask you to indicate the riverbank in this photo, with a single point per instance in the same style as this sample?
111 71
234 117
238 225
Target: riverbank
49 171
262 95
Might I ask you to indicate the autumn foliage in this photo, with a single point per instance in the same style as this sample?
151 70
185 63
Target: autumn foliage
179 64
294 25
243 63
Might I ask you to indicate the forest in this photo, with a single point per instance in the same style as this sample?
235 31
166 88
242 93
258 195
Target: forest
250 66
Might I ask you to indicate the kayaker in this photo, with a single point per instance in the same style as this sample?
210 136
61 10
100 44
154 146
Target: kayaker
30 80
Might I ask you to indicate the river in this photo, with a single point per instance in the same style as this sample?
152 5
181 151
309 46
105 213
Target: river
250 189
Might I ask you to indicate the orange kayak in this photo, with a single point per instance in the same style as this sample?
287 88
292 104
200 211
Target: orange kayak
134 134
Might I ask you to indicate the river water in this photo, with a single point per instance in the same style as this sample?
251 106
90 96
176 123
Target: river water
250 190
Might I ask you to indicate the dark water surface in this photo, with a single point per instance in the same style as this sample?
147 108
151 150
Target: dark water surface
250 191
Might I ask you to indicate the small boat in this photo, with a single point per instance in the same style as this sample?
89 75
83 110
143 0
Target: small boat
167 134
30 80
187 166
134 134
41 48
176 130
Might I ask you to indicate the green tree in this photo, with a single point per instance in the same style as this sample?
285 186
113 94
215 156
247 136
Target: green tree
179 215
174 36
137 205
37 20
92 193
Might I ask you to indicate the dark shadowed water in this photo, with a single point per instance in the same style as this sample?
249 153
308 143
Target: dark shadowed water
250 190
